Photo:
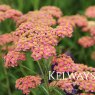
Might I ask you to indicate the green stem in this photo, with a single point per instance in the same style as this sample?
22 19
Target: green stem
6 76
44 76
28 69
20 3
36 4
7 80
40 68
22 70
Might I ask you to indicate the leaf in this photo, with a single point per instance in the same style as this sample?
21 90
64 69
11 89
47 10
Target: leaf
44 89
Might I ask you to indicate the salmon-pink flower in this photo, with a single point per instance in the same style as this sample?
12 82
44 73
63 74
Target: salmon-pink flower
4 8
77 20
64 30
37 17
43 51
54 11
65 85
6 12
12 58
86 41
28 82
90 12
14 14
63 63
6 38
89 27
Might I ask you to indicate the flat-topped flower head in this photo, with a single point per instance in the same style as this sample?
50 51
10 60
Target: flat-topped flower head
39 39
66 19
6 12
86 41
38 17
75 20
90 26
43 51
64 30
27 83
6 38
54 11
12 58
65 85
63 63
14 14
36 34
4 8
90 12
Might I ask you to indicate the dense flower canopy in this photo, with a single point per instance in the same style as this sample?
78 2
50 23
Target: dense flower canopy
40 33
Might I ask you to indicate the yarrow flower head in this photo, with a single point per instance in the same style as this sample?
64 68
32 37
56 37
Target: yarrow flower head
63 63
89 27
38 17
6 38
65 85
90 12
86 41
5 10
64 30
28 82
12 58
35 33
75 20
40 40
54 11
76 82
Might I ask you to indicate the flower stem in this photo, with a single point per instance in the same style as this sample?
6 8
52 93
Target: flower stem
7 80
44 76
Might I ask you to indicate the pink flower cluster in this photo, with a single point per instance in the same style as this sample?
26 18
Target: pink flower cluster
75 20
5 38
7 12
64 85
64 63
12 58
7 41
90 12
35 32
66 27
27 82
54 11
38 17
86 41
69 84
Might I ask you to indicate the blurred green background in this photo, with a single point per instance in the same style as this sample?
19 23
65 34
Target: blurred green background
80 55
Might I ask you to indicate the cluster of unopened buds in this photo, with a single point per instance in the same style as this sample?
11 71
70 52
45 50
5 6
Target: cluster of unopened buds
39 32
